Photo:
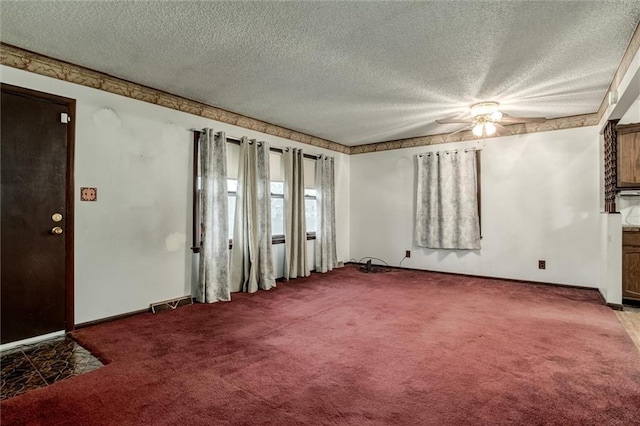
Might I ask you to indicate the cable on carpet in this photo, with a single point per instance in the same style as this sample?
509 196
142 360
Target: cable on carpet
368 267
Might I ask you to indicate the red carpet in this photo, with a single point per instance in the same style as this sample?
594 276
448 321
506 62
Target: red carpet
347 348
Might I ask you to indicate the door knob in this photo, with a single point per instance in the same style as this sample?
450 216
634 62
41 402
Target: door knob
56 230
56 217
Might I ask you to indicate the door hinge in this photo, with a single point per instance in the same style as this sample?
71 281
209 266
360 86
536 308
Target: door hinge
65 118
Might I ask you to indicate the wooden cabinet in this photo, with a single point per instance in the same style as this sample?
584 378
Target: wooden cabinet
628 161
631 265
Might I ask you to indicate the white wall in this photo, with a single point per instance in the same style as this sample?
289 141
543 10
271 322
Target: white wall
632 115
133 245
540 200
611 258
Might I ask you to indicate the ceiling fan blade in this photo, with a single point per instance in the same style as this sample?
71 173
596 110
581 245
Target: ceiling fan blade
501 130
507 119
453 121
462 129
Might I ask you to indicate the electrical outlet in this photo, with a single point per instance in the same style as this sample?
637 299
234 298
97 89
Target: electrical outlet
542 264
407 253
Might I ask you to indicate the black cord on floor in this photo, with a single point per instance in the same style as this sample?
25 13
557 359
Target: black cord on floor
374 269
374 258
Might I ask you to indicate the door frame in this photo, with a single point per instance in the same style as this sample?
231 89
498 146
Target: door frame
69 192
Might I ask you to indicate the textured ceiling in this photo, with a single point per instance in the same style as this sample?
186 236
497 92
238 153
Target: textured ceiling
351 72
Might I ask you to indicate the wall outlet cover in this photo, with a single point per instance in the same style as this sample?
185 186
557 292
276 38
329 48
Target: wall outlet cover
542 264
88 194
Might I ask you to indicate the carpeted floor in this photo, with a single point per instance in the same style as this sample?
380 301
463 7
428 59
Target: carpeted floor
347 348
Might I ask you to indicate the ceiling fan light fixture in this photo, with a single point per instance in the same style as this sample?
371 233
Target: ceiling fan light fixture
484 108
486 119
484 128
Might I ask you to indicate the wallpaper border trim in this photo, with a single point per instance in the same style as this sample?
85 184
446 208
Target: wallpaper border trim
16 57
516 129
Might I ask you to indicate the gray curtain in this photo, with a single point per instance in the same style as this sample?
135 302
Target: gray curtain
326 258
295 226
213 280
447 201
251 256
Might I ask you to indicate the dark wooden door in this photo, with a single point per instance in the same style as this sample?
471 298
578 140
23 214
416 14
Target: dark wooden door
34 161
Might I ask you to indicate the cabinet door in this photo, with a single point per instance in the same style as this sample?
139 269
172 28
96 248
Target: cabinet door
631 272
629 160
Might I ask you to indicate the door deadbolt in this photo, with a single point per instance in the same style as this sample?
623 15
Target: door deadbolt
56 217
56 230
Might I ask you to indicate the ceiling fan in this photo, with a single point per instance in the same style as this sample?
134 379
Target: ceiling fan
487 120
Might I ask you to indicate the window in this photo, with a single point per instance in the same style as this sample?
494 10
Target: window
447 209
277 198
232 187
311 211
310 201
277 210
198 226
277 194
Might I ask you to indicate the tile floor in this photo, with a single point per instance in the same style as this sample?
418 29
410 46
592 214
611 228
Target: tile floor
630 319
41 364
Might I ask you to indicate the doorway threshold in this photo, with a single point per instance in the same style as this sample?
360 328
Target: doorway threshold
31 340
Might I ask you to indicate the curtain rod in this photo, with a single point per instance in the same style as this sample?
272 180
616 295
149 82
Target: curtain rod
451 151
237 141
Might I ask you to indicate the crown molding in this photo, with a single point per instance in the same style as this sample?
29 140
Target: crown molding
40 64
632 49
515 129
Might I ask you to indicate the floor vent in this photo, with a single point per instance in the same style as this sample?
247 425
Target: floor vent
168 305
